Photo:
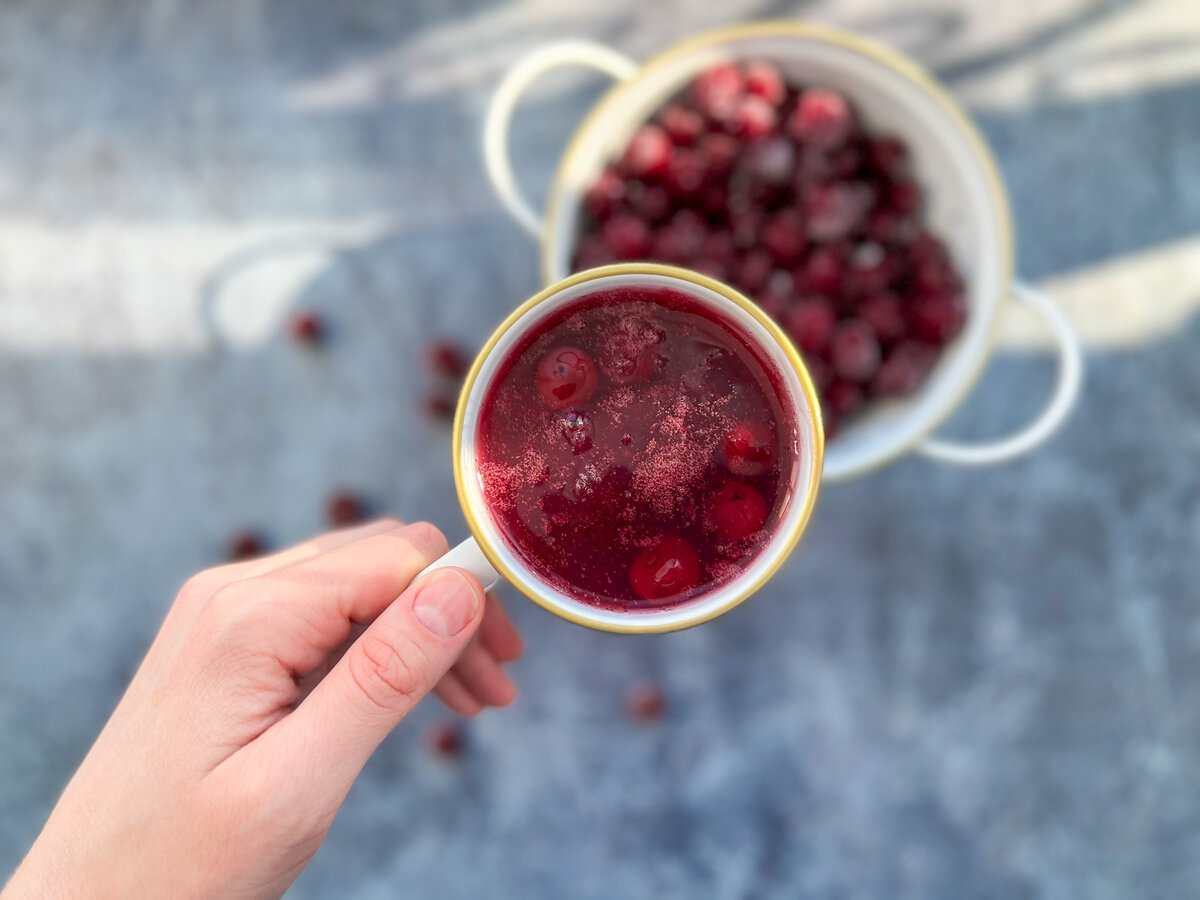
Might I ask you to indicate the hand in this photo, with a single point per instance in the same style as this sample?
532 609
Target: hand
267 688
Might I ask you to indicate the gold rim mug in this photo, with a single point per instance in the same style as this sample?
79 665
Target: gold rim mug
487 555
966 206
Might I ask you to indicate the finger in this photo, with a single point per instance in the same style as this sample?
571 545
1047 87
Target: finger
454 694
397 661
499 634
482 676
299 614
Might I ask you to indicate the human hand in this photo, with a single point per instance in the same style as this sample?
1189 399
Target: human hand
267 688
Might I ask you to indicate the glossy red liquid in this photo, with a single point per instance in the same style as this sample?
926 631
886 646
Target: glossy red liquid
633 450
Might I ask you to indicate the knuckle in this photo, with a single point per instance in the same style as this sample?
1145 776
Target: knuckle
426 539
388 669
232 602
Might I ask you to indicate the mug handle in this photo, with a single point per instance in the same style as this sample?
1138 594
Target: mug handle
468 556
510 91
1066 392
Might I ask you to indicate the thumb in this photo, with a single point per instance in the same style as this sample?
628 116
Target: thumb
392 665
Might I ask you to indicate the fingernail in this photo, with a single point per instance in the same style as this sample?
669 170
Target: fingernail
446 603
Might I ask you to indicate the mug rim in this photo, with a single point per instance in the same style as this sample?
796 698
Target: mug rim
902 66
631 624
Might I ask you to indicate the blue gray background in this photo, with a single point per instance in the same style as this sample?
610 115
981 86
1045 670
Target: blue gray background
965 684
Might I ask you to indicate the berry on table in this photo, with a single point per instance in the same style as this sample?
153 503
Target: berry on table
308 327
645 703
246 545
344 508
444 740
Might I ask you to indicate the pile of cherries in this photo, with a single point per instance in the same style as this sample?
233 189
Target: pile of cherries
780 191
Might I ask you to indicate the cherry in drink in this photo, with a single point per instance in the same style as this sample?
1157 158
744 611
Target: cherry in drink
633 449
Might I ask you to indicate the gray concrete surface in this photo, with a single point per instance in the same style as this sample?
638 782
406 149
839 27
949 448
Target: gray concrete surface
964 685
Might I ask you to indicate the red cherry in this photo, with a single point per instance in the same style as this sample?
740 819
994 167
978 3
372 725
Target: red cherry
763 80
822 272
627 235
937 318
648 153
344 508
890 227
646 703
736 511
751 272
883 313
822 118
246 545
843 398
717 90
720 152
668 569
566 376
308 328
685 172
903 369
438 406
905 197
810 323
835 210
681 239
719 247
446 359
593 251
854 351
652 201
783 236
749 449
682 125
887 155
771 162
746 224
752 118
605 193
444 739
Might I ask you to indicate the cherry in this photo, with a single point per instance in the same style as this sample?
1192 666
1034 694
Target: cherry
872 270
771 162
843 398
889 226
685 172
627 235
681 239
903 369
763 80
736 511
717 90
648 153
888 155
344 508
308 328
749 449
883 313
246 545
783 236
905 197
822 272
719 247
937 318
566 376
720 152
810 323
646 703
669 568
446 359
752 271
854 351
752 117
593 251
682 125
605 194
444 739
822 118
835 210
651 201
438 406
746 225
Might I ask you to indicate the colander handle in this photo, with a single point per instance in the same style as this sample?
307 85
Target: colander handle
504 102
1066 392
468 556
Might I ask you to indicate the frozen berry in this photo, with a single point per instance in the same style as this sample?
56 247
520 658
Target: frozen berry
717 90
903 369
646 703
751 118
770 162
720 152
627 235
854 351
751 272
718 246
887 155
605 193
246 545
438 406
648 153
905 197
665 570
783 236
566 376
683 126
344 508
821 273
685 173
937 318
822 118
308 328
810 323
651 201
680 239
736 511
843 398
593 251
446 359
883 313
749 449
763 80
834 211
444 739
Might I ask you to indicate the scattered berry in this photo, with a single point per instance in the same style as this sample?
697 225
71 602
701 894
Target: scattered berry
446 359
438 406
646 703
344 508
246 545
308 328
444 739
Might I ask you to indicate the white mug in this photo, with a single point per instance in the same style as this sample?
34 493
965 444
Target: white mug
488 555
966 207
